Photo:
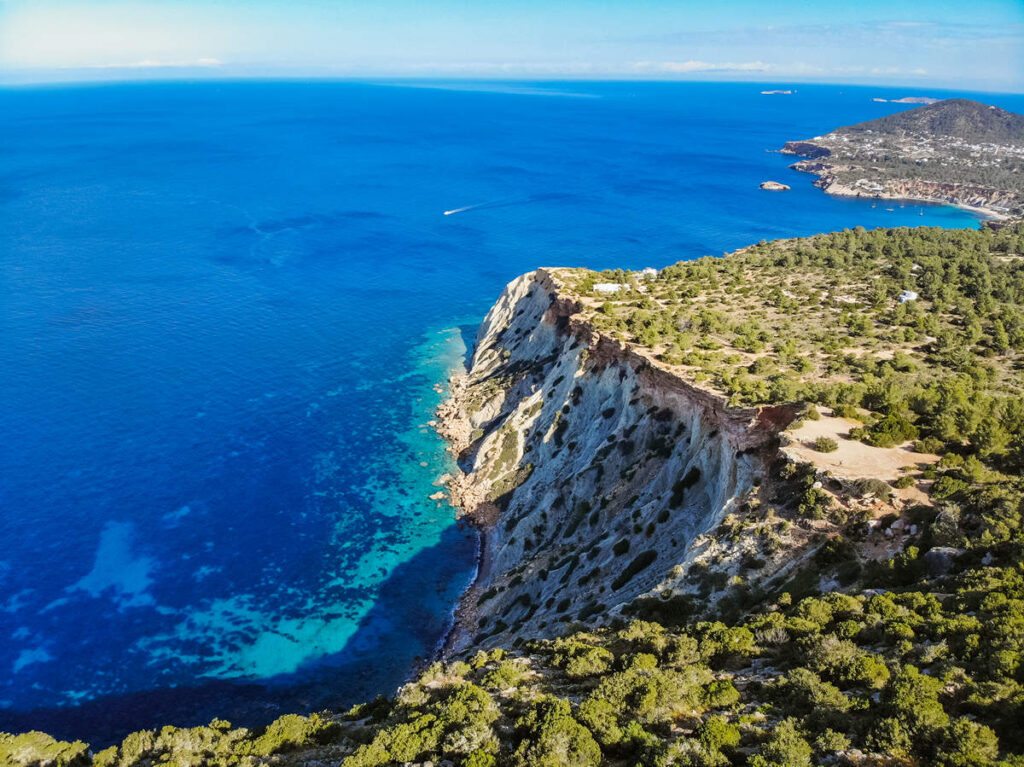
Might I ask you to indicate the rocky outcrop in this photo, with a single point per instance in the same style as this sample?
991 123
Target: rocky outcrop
774 186
590 467
805 149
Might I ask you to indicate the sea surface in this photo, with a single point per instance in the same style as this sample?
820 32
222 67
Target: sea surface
224 312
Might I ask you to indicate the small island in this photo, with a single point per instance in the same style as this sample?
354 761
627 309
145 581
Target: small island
955 152
774 186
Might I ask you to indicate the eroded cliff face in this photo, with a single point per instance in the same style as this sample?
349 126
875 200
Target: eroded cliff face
591 468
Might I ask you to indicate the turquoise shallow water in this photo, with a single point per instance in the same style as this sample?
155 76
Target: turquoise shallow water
223 310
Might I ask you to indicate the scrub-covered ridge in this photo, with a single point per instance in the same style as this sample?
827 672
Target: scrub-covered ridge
765 509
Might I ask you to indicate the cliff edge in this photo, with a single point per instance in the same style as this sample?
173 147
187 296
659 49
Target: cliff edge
591 468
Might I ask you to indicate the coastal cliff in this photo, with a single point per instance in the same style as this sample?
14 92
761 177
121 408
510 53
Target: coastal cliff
676 572
591 468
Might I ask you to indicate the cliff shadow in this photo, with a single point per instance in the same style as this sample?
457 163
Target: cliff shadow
412 613
468 335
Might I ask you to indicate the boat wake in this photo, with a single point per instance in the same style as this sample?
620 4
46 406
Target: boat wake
508 202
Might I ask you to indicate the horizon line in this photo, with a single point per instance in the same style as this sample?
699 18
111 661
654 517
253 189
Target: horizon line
191 75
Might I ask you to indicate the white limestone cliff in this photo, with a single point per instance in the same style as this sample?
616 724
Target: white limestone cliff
591 468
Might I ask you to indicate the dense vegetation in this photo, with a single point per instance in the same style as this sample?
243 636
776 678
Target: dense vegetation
911 657
821 320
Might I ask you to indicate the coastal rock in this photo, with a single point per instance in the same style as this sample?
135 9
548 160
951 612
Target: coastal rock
805 149
939 560
774 186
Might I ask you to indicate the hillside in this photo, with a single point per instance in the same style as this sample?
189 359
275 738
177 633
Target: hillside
766 509
964 119
955 151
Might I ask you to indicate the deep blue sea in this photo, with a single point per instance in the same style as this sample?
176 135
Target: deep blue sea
224 309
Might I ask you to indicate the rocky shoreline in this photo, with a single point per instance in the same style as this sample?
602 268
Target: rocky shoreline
839 190
452 424
964 196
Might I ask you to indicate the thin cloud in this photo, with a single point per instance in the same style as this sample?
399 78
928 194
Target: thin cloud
693 65
155 64
876 33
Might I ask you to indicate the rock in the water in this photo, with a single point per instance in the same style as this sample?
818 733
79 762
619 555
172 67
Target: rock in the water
774 186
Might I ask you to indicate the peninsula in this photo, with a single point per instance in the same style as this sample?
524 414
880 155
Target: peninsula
764 509
956 151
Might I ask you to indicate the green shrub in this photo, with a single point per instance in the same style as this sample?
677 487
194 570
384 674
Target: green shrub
36 748
831 741
715 733
291 732
507 674
969 744
786 747
580 659
720 694
825 445
889 431
871 486
846 411
551 737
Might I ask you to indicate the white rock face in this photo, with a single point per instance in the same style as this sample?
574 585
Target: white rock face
600 467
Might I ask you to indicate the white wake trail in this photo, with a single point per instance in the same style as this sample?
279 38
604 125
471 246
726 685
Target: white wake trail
489 204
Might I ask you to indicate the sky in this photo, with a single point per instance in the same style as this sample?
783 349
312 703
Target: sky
933 43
